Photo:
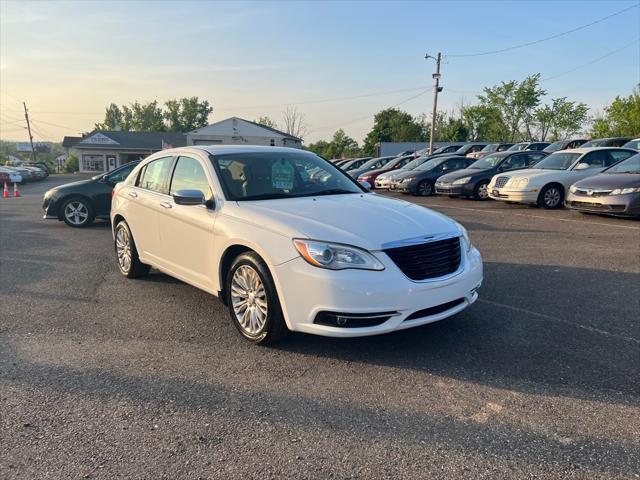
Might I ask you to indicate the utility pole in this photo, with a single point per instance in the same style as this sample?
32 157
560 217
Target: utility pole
437 90
26 116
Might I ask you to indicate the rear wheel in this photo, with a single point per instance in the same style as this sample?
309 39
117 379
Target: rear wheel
425 188
77 212
481 191
551 197
129 263
253 301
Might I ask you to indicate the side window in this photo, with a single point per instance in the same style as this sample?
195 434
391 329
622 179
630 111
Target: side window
455 164
477 148
596 159
617 156
189 175
515 161
155 175
121 174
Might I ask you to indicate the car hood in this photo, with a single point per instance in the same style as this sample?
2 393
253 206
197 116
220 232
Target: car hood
610 181
535 173
364 220
377 171
465 172
79 183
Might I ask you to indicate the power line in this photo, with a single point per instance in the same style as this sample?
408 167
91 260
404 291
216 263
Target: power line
557 35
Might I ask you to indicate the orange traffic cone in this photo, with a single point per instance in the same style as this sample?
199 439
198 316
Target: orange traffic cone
5 193
16 193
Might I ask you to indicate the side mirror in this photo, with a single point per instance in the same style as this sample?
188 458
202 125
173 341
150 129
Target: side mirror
366 185
582 166
188 197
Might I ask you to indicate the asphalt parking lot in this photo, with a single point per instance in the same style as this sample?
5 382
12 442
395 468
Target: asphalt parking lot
103 377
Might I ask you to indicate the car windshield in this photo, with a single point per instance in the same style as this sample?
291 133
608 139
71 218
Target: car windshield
635 144
555 146
374 163
492 147
518 146
601 142
487 162
557 161
273 175
630 165
429 164
414 163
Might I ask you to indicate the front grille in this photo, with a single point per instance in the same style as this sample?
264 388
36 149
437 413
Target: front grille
592 193
428 312
597 206
501 181
427 260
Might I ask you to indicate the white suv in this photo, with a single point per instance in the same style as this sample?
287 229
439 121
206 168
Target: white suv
290 242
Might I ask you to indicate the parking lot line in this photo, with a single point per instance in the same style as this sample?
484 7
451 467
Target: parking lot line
560 320
628 227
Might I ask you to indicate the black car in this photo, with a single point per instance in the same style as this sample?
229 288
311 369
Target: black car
421 180
473 181
448 149
607 142
79 203
523 146
354 163
565 145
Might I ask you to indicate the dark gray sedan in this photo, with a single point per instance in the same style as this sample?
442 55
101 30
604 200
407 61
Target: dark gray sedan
615 191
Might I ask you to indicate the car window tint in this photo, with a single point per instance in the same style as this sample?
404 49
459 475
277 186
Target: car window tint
595 159
617 155
515 161
121 174
455 163
189 175
155 175
533 158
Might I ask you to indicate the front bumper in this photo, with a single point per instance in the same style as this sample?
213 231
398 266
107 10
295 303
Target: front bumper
305 291
50 208
623 205
519 196
382 184
409 187
464 189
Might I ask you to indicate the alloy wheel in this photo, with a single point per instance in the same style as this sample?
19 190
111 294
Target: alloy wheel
123 249
249 300
424 189
483 191
551 197
76 213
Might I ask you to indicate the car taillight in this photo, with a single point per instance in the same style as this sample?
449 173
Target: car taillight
113 192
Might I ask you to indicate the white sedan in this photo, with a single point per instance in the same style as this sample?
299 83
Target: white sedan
548 181
286 250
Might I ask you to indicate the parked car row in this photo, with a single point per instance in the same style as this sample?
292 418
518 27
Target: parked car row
22 174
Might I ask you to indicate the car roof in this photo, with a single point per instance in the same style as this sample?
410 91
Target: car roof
582 150
224 149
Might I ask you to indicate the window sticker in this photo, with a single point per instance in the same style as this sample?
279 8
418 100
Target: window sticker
282 175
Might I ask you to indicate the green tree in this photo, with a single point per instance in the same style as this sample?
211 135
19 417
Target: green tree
320 147
484 123
147 117
186 114
393 125
341 145
266 121
516 102
560 119
113 119
621 118
71 164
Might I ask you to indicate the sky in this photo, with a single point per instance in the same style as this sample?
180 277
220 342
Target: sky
69 60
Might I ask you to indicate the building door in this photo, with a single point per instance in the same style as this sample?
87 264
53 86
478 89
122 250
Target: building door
111 162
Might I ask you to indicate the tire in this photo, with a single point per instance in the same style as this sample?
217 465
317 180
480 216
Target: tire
551 197
129 263
425 188
252 300
77 212
481 192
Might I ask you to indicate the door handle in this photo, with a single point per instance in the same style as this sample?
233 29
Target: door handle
165 205
133 194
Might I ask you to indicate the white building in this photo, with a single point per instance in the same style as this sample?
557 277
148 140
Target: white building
238 131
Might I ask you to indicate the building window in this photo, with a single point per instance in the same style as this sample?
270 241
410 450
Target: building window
273 142
93 163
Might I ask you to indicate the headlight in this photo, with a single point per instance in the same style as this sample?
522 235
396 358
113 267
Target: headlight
335 256
462 180
407 180
465 236
624 191
573 189
523 182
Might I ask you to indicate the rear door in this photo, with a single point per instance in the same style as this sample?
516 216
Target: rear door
151 189
186 231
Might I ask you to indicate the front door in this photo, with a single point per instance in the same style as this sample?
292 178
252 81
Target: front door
186 231
111 162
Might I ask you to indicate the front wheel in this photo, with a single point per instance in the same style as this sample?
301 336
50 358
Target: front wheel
551 197
425 188
129 263
253 301
77 212
481 191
